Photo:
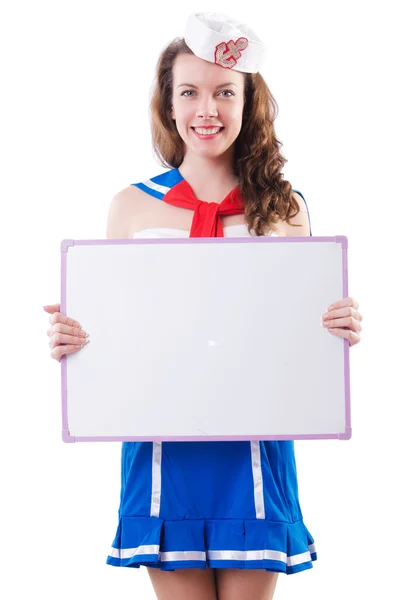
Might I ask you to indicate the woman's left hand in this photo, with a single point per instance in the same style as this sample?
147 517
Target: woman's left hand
344 320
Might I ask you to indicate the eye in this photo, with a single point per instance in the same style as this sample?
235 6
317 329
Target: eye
222 92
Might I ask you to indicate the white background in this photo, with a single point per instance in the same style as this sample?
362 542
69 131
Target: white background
75 80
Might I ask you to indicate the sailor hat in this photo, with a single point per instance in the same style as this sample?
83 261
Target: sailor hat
221 40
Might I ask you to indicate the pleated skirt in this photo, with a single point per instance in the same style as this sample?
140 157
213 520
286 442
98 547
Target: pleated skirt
211 504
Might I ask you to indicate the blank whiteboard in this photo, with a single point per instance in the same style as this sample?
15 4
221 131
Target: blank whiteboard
205 339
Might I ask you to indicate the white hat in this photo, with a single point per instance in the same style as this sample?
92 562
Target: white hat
224 41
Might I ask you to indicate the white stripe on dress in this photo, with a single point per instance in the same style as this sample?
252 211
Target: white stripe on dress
188 555
184 555
155 186
130 552
298 559
156 479
258 480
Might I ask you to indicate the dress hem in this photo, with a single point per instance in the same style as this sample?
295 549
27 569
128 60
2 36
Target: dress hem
229 543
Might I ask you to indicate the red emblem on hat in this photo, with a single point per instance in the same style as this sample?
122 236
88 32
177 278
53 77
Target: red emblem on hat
227 54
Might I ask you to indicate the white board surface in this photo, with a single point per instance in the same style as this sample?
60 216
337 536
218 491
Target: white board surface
207 339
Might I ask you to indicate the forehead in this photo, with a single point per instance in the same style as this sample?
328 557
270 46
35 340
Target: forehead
188 68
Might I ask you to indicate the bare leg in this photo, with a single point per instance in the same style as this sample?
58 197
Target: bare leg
183 584
241 584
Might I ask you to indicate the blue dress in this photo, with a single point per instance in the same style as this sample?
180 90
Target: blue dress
209 504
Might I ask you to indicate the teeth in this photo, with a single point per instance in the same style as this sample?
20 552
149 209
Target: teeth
207 131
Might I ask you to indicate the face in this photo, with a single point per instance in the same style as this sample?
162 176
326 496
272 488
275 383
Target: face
206 95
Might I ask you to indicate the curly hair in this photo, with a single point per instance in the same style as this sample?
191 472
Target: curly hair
257 158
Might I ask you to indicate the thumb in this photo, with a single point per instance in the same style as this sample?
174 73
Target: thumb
51 308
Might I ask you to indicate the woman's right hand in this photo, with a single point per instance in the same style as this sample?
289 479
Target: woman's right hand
66 335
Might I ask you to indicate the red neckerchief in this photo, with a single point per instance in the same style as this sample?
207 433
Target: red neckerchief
207 215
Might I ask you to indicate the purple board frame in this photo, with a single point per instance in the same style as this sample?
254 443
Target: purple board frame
339 239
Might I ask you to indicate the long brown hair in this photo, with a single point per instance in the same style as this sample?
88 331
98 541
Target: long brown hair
257 158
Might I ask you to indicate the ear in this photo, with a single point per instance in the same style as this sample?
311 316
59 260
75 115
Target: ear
172 113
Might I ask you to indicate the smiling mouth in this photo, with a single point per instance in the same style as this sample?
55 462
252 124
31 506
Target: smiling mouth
210 131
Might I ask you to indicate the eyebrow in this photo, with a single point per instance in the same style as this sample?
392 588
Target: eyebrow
217 87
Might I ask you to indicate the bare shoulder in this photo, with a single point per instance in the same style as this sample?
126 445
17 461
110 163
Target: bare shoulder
302 219
125 207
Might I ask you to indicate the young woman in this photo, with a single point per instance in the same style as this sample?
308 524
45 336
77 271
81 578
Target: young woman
211 520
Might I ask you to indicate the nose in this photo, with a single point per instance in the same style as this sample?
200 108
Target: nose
207 109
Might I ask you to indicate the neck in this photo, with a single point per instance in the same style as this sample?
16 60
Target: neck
201 172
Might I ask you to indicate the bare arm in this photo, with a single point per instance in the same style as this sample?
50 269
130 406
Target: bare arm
120 215
302 218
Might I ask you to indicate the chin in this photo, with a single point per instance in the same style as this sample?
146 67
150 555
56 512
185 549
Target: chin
209 153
